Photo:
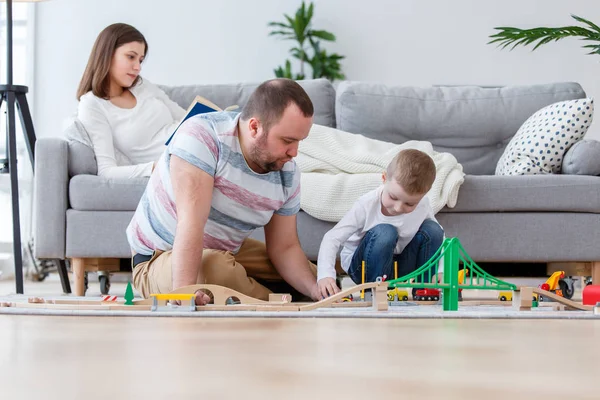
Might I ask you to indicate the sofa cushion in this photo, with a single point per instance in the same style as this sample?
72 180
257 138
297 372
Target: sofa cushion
473 123
93 193
542 141
320 91
101 234
81 159
537 193
583 158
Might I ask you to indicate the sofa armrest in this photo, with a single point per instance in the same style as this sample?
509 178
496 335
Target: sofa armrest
50 199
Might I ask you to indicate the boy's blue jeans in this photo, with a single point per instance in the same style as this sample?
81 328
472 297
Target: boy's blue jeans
377 251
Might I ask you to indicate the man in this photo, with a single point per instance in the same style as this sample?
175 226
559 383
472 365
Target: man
222 176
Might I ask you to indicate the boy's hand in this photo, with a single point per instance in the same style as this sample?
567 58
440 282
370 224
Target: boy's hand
327 287
202 298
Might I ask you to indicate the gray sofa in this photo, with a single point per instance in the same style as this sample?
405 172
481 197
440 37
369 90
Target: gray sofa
553 218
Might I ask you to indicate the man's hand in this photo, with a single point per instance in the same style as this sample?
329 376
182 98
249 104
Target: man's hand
327 287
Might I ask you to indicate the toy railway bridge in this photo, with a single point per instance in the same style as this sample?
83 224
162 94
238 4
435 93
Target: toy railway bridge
453 255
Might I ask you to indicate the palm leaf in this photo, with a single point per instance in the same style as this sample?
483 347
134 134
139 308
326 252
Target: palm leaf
324 35
523 37
298 30
279 24
588 23
595 48
309 14
289 35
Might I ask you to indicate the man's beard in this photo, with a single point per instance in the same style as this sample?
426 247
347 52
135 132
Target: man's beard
263 158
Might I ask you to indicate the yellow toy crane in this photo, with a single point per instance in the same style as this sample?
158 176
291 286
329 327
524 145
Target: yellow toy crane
559 285
552 283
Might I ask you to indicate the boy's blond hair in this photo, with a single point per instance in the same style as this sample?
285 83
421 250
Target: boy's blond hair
413 170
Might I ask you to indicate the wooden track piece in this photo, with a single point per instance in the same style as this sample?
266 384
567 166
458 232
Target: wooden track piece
380 301
332 299
280 297
35 300
523 299
562 300
220 295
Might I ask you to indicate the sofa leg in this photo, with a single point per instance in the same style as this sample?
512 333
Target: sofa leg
82 265
78 265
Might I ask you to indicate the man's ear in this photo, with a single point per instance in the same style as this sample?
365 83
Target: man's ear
253 125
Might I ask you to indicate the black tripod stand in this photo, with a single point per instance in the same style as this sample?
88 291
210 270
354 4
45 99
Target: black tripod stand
14 95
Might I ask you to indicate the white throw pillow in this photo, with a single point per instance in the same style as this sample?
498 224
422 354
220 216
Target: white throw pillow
540 144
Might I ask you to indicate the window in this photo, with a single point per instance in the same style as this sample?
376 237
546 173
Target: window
22 74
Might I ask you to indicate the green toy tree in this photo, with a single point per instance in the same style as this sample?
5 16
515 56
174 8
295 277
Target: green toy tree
129 295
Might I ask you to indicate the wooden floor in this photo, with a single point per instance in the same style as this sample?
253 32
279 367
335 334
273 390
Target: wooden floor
43 357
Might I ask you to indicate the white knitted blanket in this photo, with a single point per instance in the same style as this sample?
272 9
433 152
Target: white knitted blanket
338 167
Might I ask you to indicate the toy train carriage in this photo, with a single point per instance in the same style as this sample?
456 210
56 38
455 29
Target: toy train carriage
426 294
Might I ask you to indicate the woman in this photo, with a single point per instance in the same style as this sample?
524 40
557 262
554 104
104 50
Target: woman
124 115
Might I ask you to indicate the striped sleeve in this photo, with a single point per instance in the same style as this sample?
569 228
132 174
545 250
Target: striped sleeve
291 206
196 142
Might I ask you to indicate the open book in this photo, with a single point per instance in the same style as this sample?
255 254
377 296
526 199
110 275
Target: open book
200 105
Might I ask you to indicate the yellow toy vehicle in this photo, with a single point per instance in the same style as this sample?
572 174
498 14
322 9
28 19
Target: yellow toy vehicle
507 296
397 294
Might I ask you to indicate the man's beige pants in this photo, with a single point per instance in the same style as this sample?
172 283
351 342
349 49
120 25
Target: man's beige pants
238 272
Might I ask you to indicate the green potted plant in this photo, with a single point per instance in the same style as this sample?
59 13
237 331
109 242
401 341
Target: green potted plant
308 48
515 36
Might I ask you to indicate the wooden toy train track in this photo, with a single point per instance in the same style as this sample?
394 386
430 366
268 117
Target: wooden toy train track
220 296
522 300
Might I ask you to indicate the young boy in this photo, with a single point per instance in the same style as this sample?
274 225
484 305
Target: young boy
394 222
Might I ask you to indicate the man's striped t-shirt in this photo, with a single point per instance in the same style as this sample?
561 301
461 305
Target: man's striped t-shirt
242 199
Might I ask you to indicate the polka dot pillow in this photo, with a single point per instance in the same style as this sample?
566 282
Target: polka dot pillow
540 144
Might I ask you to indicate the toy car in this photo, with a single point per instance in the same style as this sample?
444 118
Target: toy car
508 295
425 294
397 295
505 296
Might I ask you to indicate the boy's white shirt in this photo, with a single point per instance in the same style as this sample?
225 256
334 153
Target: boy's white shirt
363 216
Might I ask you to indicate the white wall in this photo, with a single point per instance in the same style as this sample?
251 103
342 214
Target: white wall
408 42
